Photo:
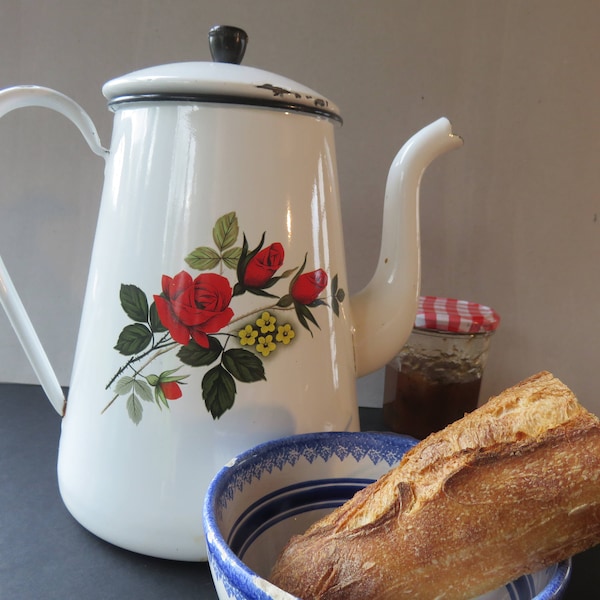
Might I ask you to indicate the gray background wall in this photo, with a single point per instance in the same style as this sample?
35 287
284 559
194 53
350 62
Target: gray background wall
511 220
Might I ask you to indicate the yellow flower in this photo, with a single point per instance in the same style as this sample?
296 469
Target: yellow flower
266 322
248 335
265 345
285 334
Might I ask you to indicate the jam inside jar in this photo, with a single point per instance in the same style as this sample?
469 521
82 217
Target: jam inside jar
436 378
427 388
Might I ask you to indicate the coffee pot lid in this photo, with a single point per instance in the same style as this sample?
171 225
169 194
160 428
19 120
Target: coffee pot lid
456 316
222 81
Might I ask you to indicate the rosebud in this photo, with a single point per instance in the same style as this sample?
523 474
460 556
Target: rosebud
263 265
170 389
308 286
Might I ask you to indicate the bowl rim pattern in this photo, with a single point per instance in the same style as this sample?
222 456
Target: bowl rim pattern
276 454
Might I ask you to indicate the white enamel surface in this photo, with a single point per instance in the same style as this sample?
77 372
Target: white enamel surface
174 170
215 79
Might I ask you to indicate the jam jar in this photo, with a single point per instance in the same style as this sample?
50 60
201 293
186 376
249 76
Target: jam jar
436 377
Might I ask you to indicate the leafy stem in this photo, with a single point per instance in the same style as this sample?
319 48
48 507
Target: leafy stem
161 344
160 348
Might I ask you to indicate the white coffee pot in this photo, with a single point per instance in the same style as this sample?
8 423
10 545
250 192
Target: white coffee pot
216 315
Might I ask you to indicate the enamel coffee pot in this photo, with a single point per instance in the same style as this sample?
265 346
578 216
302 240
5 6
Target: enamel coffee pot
216 315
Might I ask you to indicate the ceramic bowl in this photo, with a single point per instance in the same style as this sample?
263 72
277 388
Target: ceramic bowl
266 495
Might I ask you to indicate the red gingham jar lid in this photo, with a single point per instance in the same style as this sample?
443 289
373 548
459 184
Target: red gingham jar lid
457 316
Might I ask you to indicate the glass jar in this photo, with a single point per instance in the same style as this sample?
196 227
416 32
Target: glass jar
436 377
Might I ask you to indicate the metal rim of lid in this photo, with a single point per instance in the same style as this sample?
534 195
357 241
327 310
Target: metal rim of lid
315 110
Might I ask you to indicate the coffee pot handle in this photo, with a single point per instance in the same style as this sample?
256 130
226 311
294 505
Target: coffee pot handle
11 99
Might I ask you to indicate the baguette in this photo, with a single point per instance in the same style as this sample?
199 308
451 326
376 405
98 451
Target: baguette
510 488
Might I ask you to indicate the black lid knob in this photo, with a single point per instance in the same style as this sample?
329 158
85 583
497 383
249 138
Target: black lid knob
227 43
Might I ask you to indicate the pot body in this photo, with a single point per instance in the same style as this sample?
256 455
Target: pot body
215 318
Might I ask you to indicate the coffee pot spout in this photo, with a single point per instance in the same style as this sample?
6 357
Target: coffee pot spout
384 311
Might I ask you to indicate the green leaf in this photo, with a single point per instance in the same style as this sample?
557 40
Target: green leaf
143 390
134 303
133 339
271 282
243 365
160 398
317 302
203 258
124 385
152 379
338 295
238 289
246 256
172 378
134 409
260 292
304 315
334 284
196 356
285 301
169 375
299 271
226 231
231 257
218 391
155 322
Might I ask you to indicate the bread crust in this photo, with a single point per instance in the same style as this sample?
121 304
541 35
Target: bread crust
512 487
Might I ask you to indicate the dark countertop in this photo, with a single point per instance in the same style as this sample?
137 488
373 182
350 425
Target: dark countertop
45 554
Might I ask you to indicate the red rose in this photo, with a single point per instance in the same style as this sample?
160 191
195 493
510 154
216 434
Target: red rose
192 308
308 286
170 389
263 265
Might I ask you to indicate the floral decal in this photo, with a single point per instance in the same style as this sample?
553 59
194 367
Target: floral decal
194 318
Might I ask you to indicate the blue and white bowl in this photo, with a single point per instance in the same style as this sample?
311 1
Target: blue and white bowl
278 489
